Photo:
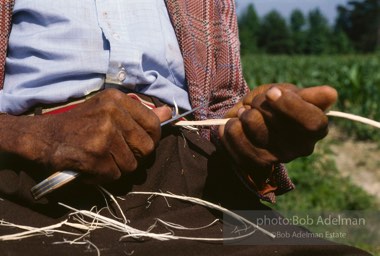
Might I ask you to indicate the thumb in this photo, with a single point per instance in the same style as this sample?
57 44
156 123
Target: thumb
320 96
164 113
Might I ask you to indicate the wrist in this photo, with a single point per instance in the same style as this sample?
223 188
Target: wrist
23 136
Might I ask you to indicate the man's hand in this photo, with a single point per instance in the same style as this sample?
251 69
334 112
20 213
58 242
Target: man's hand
276 123
103 137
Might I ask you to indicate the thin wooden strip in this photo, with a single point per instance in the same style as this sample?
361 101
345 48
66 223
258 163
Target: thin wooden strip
210 122
354 118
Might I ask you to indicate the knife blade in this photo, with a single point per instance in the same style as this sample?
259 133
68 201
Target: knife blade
177 117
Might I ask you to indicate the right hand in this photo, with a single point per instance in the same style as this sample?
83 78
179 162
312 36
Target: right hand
275 123
103 137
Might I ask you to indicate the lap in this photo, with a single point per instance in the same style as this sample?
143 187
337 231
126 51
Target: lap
184 164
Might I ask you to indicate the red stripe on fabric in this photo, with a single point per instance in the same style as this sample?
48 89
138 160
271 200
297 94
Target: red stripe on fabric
61 110
67 108
142 101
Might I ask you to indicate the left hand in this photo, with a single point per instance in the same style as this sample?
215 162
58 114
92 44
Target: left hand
276 123
102 138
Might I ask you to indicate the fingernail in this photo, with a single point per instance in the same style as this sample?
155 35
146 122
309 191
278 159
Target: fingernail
240 111
274 94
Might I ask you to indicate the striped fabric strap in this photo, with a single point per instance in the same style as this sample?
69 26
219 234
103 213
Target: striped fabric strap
6 7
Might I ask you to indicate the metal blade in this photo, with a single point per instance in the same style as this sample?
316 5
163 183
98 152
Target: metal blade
175 118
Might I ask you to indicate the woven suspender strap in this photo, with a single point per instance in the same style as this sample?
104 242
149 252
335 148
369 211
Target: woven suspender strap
207 34
6 7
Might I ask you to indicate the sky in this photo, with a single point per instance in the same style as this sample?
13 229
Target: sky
328 7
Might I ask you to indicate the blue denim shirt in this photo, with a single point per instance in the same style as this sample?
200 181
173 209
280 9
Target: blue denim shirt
65 49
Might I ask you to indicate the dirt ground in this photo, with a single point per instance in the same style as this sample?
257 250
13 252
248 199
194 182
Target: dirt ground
358 160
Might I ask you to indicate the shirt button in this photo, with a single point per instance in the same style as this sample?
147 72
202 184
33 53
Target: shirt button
121 76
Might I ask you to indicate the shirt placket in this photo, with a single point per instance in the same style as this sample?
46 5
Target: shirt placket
124 59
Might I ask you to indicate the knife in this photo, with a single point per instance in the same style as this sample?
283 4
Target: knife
59 179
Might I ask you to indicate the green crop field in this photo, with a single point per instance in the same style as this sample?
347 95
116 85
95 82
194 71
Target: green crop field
320 186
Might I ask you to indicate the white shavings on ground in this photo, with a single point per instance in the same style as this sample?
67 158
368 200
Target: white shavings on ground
84 242
89 220
33 231
104 191
248 224
179 227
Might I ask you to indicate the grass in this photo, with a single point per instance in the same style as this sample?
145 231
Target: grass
320 188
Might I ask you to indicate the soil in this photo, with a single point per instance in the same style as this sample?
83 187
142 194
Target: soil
359 160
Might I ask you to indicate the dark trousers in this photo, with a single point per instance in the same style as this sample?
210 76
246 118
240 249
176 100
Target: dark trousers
183 164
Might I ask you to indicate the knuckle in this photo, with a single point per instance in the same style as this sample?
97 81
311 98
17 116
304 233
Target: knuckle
146 147
155 138
104 126
268 158
260 159
253 120
113 94
153 128
318 125
256 128
153 122
233 128
313 127
132 165
150 123
149 147
288 86
109 107
130 162
258 101
114 174
247 117
98 146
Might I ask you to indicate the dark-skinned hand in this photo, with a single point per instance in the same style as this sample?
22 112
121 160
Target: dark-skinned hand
102 138
276 123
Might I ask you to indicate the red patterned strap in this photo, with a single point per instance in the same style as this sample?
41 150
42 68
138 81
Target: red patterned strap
6 7
207 34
